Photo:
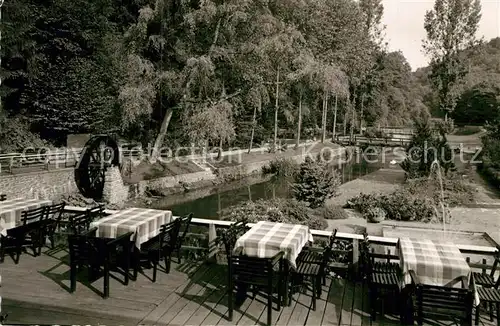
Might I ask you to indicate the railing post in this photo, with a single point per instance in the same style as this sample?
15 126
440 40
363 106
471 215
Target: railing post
212 234
355 256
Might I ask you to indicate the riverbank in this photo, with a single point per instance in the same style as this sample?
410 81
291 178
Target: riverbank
231 167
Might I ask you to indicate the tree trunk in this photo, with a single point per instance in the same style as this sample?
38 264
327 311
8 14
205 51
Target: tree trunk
161 135
326 115
276 111
249 193
219 154
323 119
361 114
299 124
253 126
345 123
334 129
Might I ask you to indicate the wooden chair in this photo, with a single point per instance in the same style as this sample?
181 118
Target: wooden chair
54 215
229 236
98 254
443 302
79 223
34 215
387 265
489 296
313 264
159 248
185 222
484 278
28 234
95 213
259 273
313 271
488 289
378 283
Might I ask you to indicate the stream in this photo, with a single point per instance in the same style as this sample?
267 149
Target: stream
208 202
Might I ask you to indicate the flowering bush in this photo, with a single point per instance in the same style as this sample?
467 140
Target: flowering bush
275 210
374 214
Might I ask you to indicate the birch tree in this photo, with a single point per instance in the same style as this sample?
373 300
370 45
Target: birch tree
451 27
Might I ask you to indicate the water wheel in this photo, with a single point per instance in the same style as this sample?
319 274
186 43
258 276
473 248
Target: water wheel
99 153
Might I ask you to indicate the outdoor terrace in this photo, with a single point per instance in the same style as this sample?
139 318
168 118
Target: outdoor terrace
36 291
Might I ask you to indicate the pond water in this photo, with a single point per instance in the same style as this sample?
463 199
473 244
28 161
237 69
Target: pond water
207 203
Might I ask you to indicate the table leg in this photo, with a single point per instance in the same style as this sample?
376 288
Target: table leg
135 262
286 272
406 306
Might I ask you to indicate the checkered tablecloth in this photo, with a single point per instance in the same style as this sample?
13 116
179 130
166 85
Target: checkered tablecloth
145 223
10 211
434 262
266 239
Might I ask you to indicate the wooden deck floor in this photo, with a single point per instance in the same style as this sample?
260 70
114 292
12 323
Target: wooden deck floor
36 292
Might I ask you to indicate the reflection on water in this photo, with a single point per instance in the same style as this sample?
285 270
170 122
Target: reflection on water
212 203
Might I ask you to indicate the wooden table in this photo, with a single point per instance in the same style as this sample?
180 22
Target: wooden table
266 239
144 223
11 211
434 263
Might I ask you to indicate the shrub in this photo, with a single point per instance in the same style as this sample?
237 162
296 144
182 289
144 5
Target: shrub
334 212
363 202
400 205
315 183
15 135
317 223
275 210
375 214
456 192
282 167
427 145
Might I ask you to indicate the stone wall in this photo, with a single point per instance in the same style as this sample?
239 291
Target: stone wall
46 184
114 192
138 189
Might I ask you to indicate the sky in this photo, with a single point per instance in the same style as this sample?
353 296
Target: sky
404 20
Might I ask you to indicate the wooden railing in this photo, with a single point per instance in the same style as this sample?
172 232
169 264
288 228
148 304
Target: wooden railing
372 141
45 159
209 229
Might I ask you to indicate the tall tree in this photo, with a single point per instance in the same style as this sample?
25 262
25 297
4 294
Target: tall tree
451 27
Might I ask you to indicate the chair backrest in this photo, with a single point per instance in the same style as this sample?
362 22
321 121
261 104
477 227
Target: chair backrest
169 234
185 222
96 212
232 234
253 270
33 215
80 248
55 211
79 223
484 267
331 242
443 302
364 251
